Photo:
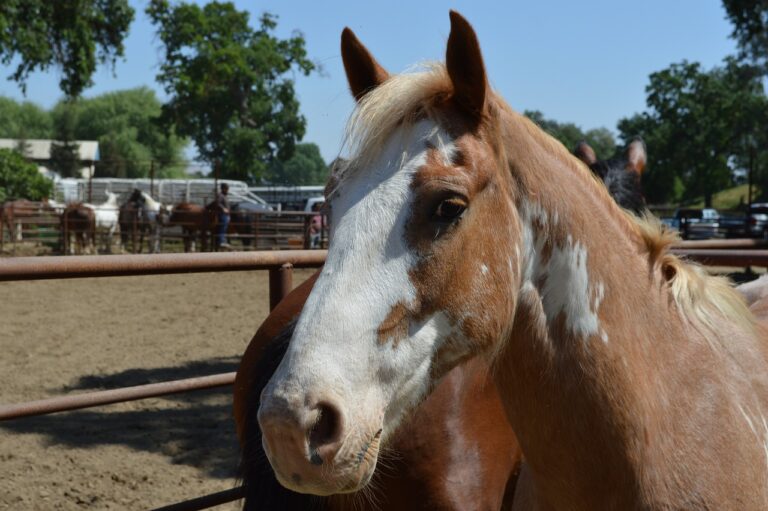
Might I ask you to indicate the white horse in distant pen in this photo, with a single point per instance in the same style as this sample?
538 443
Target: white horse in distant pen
156 214
106 219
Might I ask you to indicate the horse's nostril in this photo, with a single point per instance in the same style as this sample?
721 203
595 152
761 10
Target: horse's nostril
327 427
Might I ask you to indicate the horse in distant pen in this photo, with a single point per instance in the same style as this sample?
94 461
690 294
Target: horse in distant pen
195 223
106 219
78 220
141 216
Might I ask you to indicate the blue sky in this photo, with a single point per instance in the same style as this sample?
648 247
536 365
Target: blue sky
580 61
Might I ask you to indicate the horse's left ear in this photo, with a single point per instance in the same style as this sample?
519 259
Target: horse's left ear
465 67
585 153
363 72
636 156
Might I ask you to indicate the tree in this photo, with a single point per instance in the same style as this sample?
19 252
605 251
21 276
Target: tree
750 28
23 120
696 126
20 178
65 152
125 123
71 35
228 85
570 134
305 167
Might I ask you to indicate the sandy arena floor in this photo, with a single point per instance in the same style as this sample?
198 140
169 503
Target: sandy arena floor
90 334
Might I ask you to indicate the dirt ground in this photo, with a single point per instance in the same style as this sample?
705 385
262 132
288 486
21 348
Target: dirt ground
80 335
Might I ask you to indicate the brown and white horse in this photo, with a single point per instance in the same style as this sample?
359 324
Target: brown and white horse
78 220
456 453
632 380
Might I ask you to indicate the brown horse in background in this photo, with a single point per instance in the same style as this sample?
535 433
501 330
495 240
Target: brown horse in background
195 222
458 452
79 220
12 212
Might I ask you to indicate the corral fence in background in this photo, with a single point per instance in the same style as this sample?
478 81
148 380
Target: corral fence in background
38 222
280 266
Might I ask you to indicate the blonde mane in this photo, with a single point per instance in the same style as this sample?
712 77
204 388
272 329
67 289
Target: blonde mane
405 98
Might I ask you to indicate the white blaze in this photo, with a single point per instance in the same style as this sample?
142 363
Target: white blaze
335 346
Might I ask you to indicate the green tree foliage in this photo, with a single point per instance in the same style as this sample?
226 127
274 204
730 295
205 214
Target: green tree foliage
569 134
697 125
229 85
65 154
305 167
125 123
23 120
71 35
750 28
19 179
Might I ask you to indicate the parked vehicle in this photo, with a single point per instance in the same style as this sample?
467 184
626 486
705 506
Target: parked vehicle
695 223
757 220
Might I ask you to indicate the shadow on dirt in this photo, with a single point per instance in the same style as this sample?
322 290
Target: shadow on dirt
193 428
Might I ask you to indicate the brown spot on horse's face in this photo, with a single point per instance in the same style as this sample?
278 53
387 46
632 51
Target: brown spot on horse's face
464 270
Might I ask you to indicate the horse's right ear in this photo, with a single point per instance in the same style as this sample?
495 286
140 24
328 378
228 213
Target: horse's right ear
636 156
363 72
585 153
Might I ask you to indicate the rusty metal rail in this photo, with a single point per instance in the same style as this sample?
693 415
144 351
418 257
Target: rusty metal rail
743 243
720 257
106 397
64 267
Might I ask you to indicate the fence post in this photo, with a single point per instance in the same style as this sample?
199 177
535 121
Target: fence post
280 283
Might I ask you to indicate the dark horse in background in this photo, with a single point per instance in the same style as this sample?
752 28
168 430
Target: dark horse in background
195 222
80 221
621 174
458 452
138 219
199 223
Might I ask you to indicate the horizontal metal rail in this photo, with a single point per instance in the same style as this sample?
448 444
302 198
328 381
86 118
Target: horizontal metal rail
745 243
210 500
64 267
719 257
106 397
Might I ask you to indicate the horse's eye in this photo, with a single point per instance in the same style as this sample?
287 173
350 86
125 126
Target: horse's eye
450 210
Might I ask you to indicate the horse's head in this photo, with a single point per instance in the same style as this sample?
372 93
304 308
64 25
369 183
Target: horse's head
416 276
620 174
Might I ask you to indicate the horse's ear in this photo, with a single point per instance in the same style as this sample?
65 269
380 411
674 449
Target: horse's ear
585 153
363 72
465 67
636 156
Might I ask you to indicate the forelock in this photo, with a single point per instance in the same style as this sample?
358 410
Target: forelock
397 103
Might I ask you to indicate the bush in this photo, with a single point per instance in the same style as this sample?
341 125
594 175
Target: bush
19 179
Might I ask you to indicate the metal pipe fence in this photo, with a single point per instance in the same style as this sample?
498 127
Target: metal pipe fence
280 265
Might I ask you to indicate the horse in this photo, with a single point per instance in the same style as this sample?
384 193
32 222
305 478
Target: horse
106 218
458 434
141 216
79 220
489 447
194 221
11 213
620 174
241 223
461 230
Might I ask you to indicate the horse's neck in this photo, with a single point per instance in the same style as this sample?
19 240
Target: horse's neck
575 370
151 204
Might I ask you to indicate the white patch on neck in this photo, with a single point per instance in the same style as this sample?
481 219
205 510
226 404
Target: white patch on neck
567 288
